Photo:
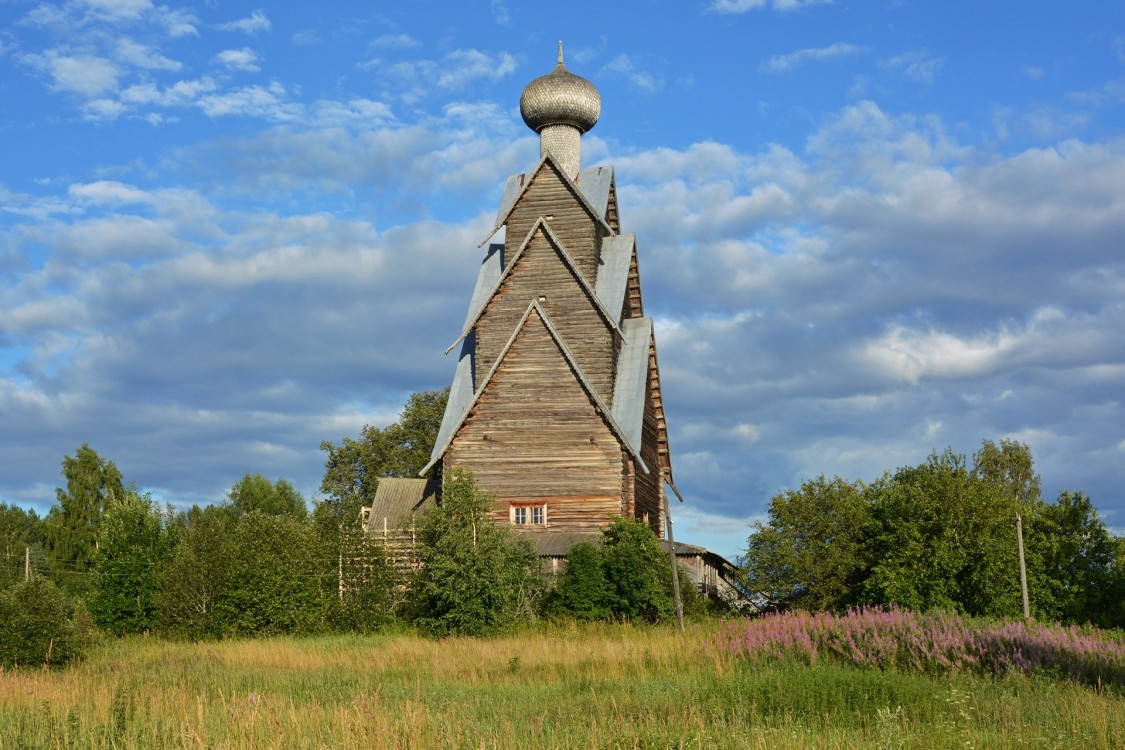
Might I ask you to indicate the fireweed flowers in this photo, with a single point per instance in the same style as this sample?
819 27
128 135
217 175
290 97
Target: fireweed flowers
936 642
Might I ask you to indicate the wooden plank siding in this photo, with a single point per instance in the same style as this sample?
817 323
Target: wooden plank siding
649 490
550 196
634 306
541 273
656 401
535 435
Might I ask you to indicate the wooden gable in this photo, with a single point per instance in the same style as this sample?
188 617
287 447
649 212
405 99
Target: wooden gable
553 196
543 271
539 433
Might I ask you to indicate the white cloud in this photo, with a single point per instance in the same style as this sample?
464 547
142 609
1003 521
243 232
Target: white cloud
138 55
269 102
84 74
108 192
500 13
118 9
465 66
177 22
306 38
918 65
628 68
179 94
244 59
786 62
103 110
394 41
254 23
743 6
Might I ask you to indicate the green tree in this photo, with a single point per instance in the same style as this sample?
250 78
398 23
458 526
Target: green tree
1078 559
402 449
812 548
1010 466
20 531
92 484
638 571
941 538
37 625
275 580
131 543
195 578
255 493
475 577
582 590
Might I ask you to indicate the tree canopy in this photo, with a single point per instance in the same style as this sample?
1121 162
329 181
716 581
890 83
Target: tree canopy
940 535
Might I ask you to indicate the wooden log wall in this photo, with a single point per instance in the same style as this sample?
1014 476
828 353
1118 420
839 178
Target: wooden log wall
549 196
634 306
541 274
534 435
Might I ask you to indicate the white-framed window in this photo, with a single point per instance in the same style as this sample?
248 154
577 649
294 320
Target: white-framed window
529 515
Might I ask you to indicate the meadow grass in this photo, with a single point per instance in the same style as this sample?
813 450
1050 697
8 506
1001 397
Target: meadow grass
596 686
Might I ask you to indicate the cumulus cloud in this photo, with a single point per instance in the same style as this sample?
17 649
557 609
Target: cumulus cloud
255 23
79 73
267 102
244 59
138 55
468 65
786 62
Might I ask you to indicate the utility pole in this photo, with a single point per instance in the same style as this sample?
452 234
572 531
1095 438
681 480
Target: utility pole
675 565
1023 570
27 562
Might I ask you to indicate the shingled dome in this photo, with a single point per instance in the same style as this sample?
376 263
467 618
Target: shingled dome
560 98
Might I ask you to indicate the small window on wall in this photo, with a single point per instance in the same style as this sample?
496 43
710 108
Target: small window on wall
529 515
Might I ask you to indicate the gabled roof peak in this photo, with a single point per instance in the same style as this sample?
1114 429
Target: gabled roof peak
544 161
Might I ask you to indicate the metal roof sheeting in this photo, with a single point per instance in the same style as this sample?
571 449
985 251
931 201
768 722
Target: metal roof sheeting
631 387
595 182
490 270
460 394
613 275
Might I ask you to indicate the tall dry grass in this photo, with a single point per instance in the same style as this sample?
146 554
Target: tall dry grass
559 687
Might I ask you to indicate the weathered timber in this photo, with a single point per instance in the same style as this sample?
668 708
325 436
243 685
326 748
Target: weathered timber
535 433
554 198
541 272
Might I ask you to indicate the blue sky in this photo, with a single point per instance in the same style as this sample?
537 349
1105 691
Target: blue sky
231 231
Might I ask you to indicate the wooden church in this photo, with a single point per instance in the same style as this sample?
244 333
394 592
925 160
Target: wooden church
555 404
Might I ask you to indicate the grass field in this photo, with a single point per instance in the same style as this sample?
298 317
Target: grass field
558 687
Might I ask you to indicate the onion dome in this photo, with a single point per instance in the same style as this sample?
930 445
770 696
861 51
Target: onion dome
560 98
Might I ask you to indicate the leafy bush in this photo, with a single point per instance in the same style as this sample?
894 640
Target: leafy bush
475 577
628 578
37 625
